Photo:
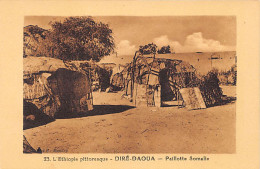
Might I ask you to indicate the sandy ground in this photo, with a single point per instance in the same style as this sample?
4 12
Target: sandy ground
115 126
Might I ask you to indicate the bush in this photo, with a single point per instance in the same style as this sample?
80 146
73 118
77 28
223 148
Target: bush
151 48
164 49
228 77
210 90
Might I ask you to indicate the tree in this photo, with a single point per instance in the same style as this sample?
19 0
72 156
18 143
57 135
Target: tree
150 48
77 38
32 40
164 49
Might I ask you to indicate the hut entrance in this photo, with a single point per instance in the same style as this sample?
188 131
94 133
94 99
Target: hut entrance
168 96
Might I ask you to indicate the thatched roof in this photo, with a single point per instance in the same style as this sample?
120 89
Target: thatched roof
184 67
41 64
176 66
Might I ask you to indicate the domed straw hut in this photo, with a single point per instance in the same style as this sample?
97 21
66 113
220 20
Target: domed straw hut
98 73
161 81
42 78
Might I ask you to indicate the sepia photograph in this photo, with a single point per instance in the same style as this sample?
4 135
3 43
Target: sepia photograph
129 84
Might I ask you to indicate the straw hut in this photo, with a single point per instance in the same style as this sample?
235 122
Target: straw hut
153 81
49 85
156 81
98 73
27 148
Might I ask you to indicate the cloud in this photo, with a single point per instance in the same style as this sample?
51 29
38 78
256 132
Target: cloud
193 43
125 48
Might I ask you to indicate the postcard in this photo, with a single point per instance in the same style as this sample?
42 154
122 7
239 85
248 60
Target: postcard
129 84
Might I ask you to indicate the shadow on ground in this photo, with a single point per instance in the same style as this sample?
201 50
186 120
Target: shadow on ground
32 124
33 117
225 100
98 110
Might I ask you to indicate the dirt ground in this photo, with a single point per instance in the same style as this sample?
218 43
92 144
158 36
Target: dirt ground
115 126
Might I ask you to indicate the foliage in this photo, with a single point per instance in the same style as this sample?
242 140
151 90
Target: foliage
209 87
150 48
32 40
164 49
77 38
228 77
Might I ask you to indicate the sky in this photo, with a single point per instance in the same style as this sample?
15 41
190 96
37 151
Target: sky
182 33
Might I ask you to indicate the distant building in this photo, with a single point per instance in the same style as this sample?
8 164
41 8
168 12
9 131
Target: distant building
205 61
